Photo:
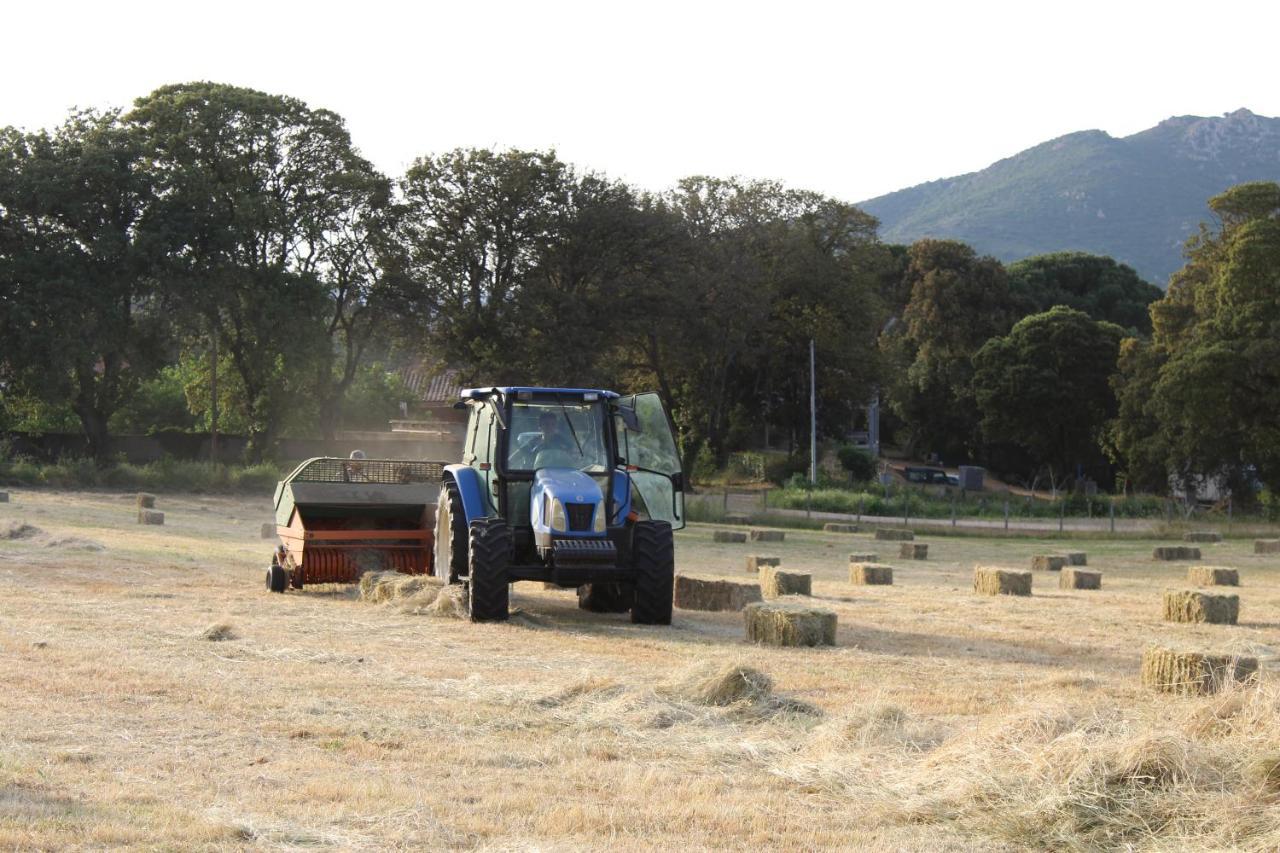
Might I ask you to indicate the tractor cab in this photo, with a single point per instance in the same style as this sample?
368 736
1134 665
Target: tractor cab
568 476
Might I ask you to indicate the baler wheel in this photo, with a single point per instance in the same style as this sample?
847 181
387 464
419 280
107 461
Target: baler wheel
654 558
277 578
490 554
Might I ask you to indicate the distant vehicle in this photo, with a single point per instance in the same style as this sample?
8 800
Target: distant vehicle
953 480
931 476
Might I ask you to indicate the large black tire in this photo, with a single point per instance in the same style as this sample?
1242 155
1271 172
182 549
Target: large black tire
277 578
606 597
490 554
653 557
449 557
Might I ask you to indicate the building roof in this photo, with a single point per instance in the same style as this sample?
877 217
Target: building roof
432 386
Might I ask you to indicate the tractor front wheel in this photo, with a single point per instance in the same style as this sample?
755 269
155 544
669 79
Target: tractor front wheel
449 559
277 578
490 553
653 554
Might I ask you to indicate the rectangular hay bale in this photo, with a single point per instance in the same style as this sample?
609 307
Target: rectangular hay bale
1266 546
1194 673
734 536
839 527
4 497
1048 562
894 534
768 535
870 574
775 583
1190 605
779 624
864 558
1077 558
989 580
1074 578
913 551
701 594
1212 576
1202 536
150 516
146 500
755 561
1175 552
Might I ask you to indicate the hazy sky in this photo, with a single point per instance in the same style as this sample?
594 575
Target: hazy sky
850 99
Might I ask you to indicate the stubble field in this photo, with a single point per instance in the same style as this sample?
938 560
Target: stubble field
941 721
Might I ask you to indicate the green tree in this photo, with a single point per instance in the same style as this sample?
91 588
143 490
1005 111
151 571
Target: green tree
1045 387
78 306
1097 285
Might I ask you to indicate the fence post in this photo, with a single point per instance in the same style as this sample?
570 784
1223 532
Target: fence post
726 499
1229 512
808 502
860 500
1113 515
905 495
1062 513
1006 513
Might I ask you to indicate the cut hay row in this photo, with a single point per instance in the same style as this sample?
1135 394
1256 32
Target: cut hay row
1175 552
1266 546
1189 605
913 551
1048 562
775 583
1202 536
870 574
839 527
785 624
1212 576
1195 673
894 534
768 535
989 580
714 595
755 561
731 536
1074 578
150 516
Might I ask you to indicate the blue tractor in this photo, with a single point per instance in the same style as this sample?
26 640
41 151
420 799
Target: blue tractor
570 486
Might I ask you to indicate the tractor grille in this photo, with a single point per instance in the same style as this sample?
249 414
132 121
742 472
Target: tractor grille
384 471
579 516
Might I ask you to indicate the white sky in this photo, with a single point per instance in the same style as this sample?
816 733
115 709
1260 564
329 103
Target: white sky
852 99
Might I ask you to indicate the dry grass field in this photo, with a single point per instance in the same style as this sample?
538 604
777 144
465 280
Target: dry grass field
941 721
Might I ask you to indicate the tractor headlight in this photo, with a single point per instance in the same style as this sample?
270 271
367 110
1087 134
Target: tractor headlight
600 519
559 521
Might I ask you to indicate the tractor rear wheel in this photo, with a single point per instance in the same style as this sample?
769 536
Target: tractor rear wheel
449 559
277 578
614 597
490 553
653 556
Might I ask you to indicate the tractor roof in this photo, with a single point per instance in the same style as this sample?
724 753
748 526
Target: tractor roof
516 390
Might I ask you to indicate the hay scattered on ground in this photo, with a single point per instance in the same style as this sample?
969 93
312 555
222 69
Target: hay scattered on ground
1189 605
714 595
870 574
894 534
787 624
1074 578
1048 562
19 530
774 582
379 587
218 631
1191 672
755 561
713 684
447 602
73 543
989 580
1175 552
1212 576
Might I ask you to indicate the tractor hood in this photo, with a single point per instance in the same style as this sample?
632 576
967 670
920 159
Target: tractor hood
575 490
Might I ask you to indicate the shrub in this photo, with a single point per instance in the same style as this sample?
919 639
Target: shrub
860 464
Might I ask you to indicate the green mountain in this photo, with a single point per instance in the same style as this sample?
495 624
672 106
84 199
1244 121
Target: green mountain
1136 198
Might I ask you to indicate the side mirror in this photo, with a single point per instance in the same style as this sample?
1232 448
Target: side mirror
629 418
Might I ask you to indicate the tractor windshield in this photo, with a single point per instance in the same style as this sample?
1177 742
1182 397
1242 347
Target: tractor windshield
558 433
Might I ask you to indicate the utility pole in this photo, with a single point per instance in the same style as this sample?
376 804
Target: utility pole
213 395
813 416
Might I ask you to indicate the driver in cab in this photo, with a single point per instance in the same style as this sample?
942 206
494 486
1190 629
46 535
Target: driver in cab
553 434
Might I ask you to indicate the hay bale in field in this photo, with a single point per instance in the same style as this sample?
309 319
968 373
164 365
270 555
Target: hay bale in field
1202 536
1266 546
701 594
1212 576
4 497
735 536
913 551
217 632
1073 578
150 516
870 574
894 534
1077 558
774 582
1175 552
1048 562
989 580
786 624
146 500
736 518
1199 673
268 530
839 527
768 535
864 558
755 561
1190 605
